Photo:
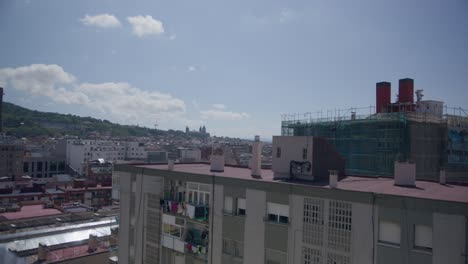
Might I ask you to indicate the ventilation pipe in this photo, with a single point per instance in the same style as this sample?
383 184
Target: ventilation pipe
42 252
217 159
333 179
405 174
170 165
92 243
256 166
442 177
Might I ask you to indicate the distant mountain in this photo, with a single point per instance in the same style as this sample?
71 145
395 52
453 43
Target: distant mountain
23 122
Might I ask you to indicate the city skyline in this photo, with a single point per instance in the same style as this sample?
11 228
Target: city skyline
234 67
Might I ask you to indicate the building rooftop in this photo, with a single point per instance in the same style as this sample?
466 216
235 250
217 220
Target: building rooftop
16 248
29 211
423 189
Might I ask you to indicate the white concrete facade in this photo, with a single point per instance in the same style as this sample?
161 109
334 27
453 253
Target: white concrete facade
79 152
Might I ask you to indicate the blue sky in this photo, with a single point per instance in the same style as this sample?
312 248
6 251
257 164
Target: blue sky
234 66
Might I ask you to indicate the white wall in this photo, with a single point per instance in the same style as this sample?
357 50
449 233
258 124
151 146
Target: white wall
217 232
254 232
291 149
362 235
448 238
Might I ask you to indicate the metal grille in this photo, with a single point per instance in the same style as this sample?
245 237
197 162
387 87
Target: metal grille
151 254
339 226
152 228
311 256
337 259
313 221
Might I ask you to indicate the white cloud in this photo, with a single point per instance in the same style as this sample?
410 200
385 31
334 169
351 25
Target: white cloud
219 106
120 102
217 114
191 68
101 20
145 25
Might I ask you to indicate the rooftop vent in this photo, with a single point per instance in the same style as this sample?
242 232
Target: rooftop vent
170 165
217 160
92 243
42 252
405 174
442 177
256 162
333 179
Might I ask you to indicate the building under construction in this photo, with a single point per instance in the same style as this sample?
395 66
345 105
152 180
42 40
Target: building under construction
425 132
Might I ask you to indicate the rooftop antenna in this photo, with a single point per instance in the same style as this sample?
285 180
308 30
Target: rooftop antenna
419 95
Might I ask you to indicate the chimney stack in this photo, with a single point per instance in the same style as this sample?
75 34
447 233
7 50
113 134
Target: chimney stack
405 174
442 177
170 165
42 252
333 179
217 159
92 243
256 165
383 96
406 91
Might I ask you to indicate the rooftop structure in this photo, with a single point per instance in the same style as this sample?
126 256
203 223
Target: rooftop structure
85 242
424 132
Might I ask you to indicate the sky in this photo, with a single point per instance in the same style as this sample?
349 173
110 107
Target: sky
233 66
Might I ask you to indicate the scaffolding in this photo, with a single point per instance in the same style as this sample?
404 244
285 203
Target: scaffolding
371 142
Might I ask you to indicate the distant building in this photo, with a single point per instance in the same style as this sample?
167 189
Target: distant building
88 242
80 151
155 156
189 154
43 167
11 158
100 172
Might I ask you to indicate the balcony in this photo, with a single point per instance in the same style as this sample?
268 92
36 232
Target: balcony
193 242
198 213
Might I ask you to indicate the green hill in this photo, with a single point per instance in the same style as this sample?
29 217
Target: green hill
23 122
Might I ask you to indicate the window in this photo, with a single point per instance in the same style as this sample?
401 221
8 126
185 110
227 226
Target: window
278 213
304 153
228 204
313 221
278 152
337 259
389 232
26 167
339 225
423 237
172 230
198 194
311 256
227 247
241 206
238 249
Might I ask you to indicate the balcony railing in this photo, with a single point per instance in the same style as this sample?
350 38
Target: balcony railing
196 212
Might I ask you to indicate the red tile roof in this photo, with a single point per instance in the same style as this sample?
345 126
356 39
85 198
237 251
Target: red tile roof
29 211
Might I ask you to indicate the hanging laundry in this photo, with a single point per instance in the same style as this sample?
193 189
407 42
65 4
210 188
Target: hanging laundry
200 213
191 211
180 208
174 207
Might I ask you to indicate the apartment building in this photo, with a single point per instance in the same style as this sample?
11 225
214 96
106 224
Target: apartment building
298 212
80 151
11 157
